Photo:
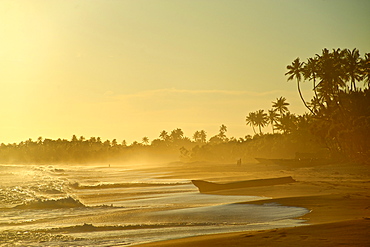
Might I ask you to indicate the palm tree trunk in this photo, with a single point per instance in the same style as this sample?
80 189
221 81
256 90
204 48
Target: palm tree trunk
304 102
314 86
253 129
354 85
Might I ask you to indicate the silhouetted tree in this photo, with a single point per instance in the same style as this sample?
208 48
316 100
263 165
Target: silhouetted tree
295 70
353 66
145 140
251 120
310 71
272 118
124 143
114 142
261 119
222 133
164 135
280 105
176 135
287 123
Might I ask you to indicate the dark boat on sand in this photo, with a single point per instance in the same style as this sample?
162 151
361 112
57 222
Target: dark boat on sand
205 186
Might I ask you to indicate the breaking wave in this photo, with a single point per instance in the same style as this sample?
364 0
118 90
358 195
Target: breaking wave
67 202
76 185
91 228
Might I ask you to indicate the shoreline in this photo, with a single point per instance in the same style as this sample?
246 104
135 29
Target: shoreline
337 195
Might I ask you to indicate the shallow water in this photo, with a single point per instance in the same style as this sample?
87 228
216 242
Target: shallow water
106 206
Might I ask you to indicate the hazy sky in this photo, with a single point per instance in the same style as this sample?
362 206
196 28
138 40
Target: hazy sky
127 69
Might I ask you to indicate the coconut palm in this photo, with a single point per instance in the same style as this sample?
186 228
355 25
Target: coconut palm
287 123
221 134
164 135
366 69
272 117
316 104
280 105
295 70
145 140
261 119
251 120
223 129
176 135
353 66
202 136
331 73
310 70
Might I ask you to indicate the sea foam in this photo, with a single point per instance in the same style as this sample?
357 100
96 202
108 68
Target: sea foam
67 202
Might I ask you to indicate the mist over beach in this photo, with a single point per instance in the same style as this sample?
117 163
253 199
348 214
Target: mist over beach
184 123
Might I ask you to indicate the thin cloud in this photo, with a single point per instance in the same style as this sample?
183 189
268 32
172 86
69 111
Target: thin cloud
172 91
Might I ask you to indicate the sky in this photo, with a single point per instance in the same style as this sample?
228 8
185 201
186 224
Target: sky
126 69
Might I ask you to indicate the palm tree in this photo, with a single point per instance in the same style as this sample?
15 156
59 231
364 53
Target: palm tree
287 123
176 135
223 129
261 119
280 105
221 134
366 69
202 136
196 136
272 118
316 104
353 66
145 140
331 74
310 70
164 135
251 120
295 70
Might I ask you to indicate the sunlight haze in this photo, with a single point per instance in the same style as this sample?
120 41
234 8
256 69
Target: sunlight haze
132 68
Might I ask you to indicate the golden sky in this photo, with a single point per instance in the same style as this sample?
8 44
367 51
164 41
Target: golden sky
126 69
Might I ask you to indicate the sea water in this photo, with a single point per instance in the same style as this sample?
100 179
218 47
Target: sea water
119 206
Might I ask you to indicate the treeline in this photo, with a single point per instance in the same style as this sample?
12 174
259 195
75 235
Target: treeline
168 147
336 125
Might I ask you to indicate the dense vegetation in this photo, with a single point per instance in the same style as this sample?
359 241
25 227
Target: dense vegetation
336 125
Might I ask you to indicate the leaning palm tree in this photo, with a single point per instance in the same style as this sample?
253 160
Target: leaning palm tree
295 70
272 118
281 106
251 120
261 119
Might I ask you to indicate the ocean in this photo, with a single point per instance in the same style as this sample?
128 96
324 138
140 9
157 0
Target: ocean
120 205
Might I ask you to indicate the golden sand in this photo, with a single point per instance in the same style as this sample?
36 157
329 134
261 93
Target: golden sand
338 196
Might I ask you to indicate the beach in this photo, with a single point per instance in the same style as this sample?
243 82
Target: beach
336 194
125 204
157 205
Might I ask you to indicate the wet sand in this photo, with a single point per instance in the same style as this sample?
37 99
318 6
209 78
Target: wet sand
338 196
